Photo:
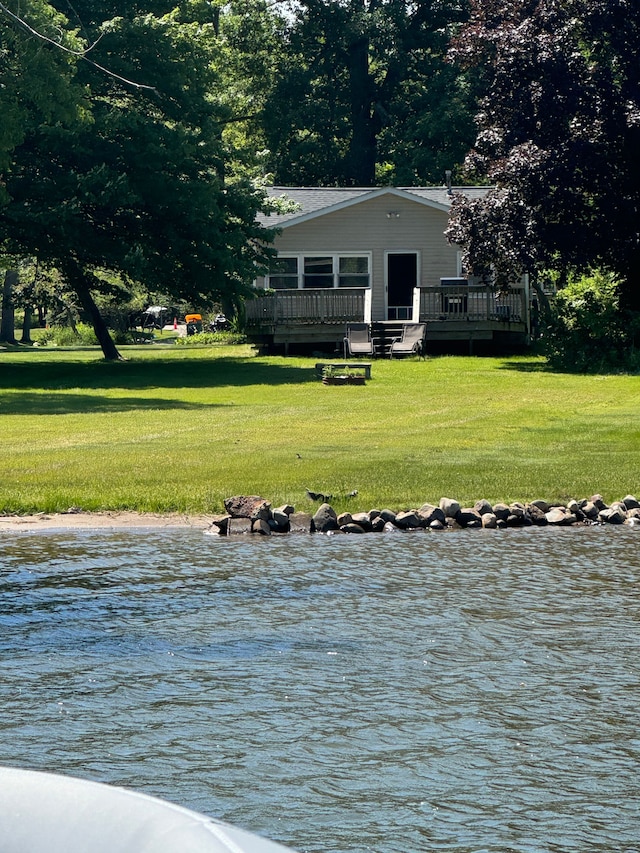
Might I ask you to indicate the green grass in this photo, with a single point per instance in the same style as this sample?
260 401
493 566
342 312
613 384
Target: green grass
180 429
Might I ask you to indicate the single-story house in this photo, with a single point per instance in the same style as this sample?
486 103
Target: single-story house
379 256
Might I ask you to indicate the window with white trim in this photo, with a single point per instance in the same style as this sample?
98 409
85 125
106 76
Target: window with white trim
283 273
319 271
353 271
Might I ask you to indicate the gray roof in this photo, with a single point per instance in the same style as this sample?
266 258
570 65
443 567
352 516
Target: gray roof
316 201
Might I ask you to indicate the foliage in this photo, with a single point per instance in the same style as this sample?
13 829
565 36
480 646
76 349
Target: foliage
558 135
66 336
83 335
362 91
212 339
146 189
25 62
590 331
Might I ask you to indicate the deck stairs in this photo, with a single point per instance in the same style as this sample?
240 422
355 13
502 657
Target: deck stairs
383 333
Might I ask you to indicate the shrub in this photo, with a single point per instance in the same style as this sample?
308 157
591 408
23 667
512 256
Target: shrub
212 339
65 336
589 331
84 336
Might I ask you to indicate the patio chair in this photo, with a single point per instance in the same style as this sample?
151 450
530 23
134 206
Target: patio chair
411 342
357 340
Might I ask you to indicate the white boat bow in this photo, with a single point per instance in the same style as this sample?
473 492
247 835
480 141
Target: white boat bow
50 813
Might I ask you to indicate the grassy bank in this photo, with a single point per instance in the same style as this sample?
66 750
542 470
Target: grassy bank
175 428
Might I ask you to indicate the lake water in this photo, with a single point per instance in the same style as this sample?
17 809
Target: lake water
472 691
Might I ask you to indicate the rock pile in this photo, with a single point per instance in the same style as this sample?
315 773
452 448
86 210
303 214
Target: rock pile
253 514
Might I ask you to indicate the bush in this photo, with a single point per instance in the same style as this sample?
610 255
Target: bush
84 336
590 333
65 336
212 339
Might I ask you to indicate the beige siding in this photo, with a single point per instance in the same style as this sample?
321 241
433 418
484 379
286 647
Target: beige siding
366 228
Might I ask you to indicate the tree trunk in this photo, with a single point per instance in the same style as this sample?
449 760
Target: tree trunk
361 158
26 324
7 324
81 283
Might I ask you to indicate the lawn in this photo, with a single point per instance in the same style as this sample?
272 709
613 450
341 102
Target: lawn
179 429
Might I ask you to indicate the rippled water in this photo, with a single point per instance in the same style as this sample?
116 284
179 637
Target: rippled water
476 691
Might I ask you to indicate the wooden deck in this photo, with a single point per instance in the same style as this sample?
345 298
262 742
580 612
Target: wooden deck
317 318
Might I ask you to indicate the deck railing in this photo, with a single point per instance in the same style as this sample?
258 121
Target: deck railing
342 305
472 303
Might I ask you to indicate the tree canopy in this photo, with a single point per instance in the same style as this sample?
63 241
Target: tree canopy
140 184
26 60
558 135
361 93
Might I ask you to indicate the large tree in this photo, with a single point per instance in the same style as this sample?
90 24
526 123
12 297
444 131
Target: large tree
558 135
363 94
144 186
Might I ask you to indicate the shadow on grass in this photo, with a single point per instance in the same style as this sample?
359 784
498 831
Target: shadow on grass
527 366
12 403
152 373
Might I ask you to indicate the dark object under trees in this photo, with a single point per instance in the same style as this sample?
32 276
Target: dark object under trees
558 135
7 322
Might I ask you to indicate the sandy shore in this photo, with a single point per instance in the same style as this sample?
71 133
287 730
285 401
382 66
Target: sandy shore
100 521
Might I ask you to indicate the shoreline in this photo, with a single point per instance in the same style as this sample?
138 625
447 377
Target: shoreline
116 519
254 515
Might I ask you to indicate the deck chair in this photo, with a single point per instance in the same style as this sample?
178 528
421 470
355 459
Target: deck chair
411 342
357 340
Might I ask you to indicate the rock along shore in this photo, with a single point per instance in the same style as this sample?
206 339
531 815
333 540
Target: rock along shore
253 514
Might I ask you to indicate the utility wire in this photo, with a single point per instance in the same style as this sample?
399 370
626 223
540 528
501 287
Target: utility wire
81 54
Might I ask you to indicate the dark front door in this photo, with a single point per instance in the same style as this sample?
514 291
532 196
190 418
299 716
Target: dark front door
402 278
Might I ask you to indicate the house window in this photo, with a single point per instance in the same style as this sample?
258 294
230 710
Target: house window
283 273
353 271
318 272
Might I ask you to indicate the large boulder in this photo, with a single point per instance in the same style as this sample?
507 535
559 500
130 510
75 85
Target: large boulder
589 510
408 519
537 514
613 515
541 505
248 506
388 515
559 516
501 511
450 507
429 513
364 520
261 526
598 500
483 507
300 522
469 517
239 525
351 527
325 519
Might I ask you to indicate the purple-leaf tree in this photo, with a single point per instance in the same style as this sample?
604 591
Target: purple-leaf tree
558 138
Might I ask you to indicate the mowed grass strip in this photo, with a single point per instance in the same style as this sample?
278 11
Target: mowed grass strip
180 429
